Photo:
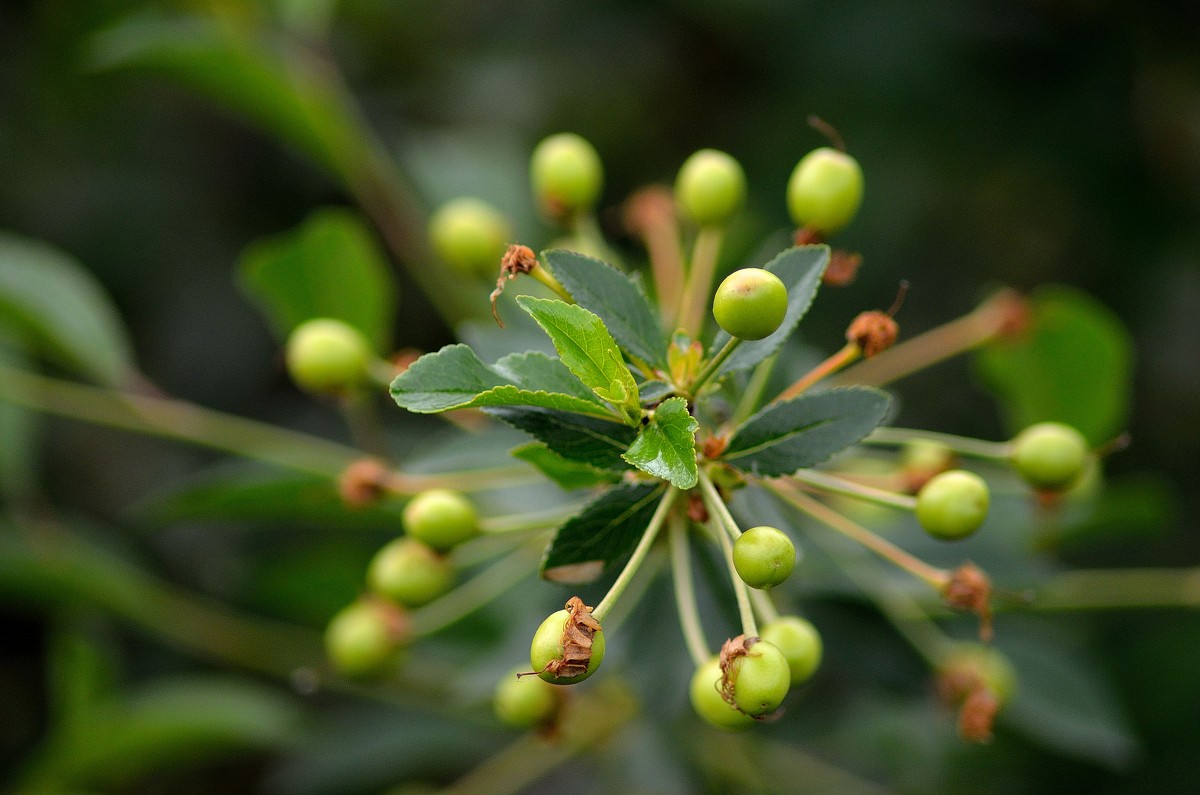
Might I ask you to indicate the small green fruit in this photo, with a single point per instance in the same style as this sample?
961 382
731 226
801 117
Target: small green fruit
711 187
1050 455
953 505
750 303
362 639
705 693
566 174
761 678
987 664
547 646
825 190
470 235
764 556
440 518
409 573
524 702
800 643
327 355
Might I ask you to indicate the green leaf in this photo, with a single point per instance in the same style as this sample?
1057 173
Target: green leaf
616 299
805 431
800 269
161 725
666 446
605 532
270 80
21 430
573 436
566 473
1073 364
586 348
455 378
51 301
329 266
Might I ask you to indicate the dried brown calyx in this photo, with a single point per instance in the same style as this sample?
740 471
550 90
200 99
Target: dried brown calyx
965 686
807 236
970 589
842 269
517 259
873 332
578 634
696 509
730 651
363 482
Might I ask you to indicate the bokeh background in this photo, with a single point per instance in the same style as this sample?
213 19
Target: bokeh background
1016 143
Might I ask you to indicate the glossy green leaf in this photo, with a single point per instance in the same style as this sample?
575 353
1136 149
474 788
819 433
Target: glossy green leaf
455 378
566 473
605 532
573 436
666 446
50 300
161 725
586 348
805 431
329 266
800 269
1073 364
615 298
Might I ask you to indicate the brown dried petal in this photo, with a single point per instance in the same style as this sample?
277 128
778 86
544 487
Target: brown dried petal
696 510
970 589
806 236
977 715
578 633
730 651
843 268
873 332
517 259
362 482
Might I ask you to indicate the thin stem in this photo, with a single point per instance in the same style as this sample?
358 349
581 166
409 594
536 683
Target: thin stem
993 318
755 388
740 590
365 425
692 308
847 355
1099 589
764 606
685 593
533 520
859 491
963 445
935 577
176 419
474 593
651 213
546 278
717 506
714 364
639 554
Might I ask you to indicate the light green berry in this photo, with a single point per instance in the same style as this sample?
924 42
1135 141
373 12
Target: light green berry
566 174
409 573
952 505
761 678
440 518
547 647
362 639
800 643
825 190
750 303
470 235
526 701
1050 455
327 355
706 698
764 556
711 187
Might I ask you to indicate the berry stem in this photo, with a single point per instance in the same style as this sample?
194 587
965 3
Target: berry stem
475 592
963 445
714 364
935 577
764 606
546 278
639 555
1103 589
847 355
533 520
697 291
366 426
727 532
685 592
717 506
859 491
997 316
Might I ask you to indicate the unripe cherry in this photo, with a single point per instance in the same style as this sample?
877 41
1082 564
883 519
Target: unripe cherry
1050 455
470 235
440 518
523 702
953 504
761 678
566 174
711 187
764 556
706 698
547 647
825 190
800 643
327 355
362 638
409 573
750 303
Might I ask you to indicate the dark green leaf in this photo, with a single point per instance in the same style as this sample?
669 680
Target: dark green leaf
329 266
566 473
666 446
1073 364
586 348
800 269
573 436
616 299
455 378
605 532
652 392
49 299
805 431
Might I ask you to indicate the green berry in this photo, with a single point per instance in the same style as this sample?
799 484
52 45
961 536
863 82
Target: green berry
566 175
750 303
524 702
409 573
764 556
711 187
761 678
547 647
440 518
470 235
327 355
1050 455
825 190
953 504
362 639
800 643
705 693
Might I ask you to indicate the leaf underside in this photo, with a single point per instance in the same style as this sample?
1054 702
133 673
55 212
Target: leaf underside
602 534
